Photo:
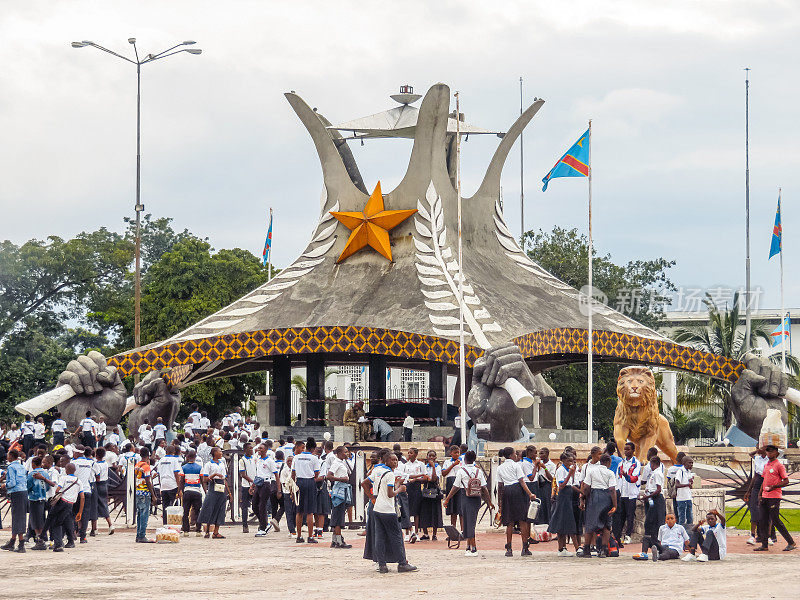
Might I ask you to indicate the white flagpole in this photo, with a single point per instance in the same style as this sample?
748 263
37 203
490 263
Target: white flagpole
590 339
783 307
462 369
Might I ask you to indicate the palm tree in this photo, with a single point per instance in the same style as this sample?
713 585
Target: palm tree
299 382
687 425
721 337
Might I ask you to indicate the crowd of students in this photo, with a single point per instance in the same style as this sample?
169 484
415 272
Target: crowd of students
60 490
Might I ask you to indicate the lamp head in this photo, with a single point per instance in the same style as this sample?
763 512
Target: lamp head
78 44
188 42
87 43
194 51
131 40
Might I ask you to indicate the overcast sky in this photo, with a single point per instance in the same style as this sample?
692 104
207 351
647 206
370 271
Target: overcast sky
664 85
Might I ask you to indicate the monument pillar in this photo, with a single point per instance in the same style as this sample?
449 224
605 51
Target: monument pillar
437 390
377 377
315 387
282 386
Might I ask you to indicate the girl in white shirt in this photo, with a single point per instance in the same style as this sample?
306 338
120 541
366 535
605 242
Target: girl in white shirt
385 545
562 520
515 499
470 504
599 486
430 511
215 481
450 468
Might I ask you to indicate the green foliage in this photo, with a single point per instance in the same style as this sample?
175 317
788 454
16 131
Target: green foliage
638 289
687 425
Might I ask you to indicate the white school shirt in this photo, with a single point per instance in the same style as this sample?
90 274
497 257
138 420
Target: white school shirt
38 430
671 471
288 450
437 468
248 465
65 481
656 479
683 476
160 453
166 468
205 423
562 473
84 472
719 533
111 457
284 474
416 467
454 471
408 422
674 537
758 464
215 468
550 467
29 464
53 474
306 465
510 472
100 428
527 468
13 435
159 431
28 427
383 480
467 472
646 470
325 464
338 468
146 436
194 420
88 424
100 470
600 479
113 438
266 467
632 467
59 426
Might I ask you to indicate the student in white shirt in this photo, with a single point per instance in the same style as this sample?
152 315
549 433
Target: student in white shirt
600 501
194 421
69 508
628 474
212 513
84 471
168 468
751 497
684 478
545 472
671 542
408 427
100 497
562 520
324 505
655 506
385 545
247 474
265 491
305 472
59 426
450 469
338 474
414 473
100 431
470 484
88 430
430 510
113 437
39 431
708 535
28 428
287 492
159 430
515 499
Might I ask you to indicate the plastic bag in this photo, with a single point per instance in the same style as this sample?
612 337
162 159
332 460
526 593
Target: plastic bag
167 535
174 515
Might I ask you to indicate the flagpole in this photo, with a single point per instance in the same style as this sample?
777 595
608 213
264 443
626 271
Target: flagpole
269 252
747 206
590 339
521 179
783 307
462 369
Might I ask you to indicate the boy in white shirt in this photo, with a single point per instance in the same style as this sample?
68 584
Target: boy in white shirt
709 535
684 478
672 540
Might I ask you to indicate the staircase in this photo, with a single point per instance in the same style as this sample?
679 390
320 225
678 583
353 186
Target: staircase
302 433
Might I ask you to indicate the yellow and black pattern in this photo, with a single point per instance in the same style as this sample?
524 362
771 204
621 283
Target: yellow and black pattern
293 340
625 347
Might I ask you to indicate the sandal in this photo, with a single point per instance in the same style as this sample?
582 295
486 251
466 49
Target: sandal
217 536
207 535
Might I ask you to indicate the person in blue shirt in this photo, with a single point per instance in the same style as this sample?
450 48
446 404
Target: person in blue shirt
190 491
38 482
17 492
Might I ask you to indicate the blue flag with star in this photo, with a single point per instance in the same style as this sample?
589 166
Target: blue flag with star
574 163
777 233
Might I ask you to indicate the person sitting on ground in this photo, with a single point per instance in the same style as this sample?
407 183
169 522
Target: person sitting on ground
671 542
709 536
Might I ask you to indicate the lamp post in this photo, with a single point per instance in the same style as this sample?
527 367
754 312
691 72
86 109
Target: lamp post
139 207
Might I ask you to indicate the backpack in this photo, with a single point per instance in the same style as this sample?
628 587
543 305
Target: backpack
473 489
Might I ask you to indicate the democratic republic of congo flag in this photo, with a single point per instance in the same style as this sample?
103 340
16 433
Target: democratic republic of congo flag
777 233
268 241
574 163
782 332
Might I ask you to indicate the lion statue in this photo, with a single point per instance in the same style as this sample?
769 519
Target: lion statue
637 418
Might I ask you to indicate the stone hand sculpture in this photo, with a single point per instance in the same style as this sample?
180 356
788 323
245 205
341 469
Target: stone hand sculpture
98 388
489 403
760 387
154 398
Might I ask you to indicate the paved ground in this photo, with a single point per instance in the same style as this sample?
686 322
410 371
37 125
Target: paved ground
114 567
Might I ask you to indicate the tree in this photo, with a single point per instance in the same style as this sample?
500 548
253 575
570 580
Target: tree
638 289
721 337
686 425
53 278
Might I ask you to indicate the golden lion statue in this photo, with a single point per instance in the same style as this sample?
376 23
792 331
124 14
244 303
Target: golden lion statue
637 418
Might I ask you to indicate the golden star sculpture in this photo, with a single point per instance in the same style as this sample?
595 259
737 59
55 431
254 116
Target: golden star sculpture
371 227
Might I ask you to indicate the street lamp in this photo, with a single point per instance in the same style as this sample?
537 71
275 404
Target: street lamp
139 207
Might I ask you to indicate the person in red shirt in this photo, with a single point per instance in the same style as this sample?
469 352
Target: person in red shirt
775 478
